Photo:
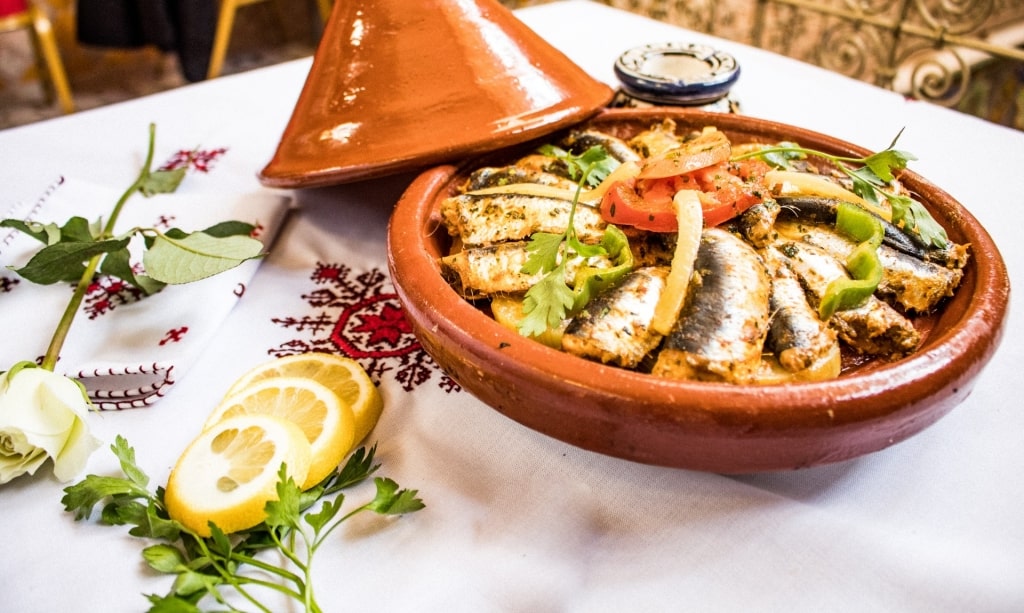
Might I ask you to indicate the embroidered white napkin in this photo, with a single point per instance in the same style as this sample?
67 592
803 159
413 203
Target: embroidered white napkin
127 349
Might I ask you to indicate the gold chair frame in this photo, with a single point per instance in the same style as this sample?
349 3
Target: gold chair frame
225 23
44 43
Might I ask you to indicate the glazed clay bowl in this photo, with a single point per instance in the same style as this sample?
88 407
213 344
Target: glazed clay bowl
696 425
397 86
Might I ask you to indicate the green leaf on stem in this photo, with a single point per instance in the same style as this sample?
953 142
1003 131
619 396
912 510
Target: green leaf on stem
192 585
126 458
171 604
220 564
544 249
230 228
155 523
197 256
913 216
44 233
546 303
78 229
783 156
356 470
885 162
284 512
328 511
164 558
118 264
83 496
161 181
65 261
392 501
549 300
219 542
866 184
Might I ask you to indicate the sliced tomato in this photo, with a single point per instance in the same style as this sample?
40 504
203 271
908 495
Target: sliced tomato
752 170
640 204
709 148
646 204
658 192
724 195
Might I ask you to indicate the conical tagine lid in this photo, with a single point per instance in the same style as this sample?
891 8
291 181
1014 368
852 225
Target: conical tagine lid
398 85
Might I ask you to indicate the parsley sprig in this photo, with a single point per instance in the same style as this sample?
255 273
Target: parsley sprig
215 567
549 300
871 179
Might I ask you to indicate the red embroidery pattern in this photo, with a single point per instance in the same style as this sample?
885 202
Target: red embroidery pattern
359 316
164 221
106 293
174 335
198 160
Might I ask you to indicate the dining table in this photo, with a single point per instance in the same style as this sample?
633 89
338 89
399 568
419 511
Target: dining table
514 520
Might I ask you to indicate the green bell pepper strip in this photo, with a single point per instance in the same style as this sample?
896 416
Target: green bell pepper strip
863 264
592 281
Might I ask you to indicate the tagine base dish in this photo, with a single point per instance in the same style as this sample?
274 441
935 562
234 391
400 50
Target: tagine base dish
697 425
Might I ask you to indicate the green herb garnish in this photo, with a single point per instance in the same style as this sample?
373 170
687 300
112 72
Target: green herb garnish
212 568
870 180
550 300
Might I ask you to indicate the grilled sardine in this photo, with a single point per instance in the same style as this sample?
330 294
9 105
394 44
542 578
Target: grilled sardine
579 141
721 330
756 224
615 326
796 335
490 219
874 328
913 284
823 210
497 269
509 175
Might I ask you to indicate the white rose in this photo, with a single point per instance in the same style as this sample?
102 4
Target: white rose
42 415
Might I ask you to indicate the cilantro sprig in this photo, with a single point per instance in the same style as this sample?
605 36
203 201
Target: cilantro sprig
215 567
549 300
871 179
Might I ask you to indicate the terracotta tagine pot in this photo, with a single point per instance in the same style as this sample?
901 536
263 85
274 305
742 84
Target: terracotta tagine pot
704 426
398 85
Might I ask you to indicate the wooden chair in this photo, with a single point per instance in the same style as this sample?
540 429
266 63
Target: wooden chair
24 15
226 20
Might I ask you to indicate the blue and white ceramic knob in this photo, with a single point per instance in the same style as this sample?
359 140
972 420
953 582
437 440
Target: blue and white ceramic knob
676 74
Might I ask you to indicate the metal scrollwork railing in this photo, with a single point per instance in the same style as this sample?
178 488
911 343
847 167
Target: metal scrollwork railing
925 48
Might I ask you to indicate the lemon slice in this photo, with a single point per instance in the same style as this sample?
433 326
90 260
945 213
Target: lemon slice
344 376
324 419
230 471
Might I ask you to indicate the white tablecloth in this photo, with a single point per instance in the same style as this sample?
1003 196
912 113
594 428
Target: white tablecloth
516 521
